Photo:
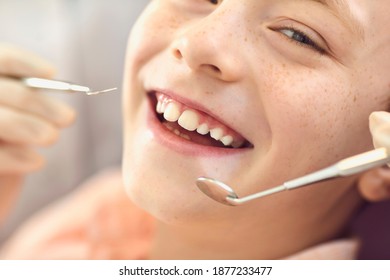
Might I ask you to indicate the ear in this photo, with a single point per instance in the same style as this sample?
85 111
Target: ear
374 185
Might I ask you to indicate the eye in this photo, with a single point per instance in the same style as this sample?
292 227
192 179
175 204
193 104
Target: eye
214 2
302 39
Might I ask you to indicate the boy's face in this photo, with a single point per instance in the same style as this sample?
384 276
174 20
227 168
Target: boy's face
292 82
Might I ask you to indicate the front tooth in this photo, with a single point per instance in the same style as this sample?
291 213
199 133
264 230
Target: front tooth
227 140
189 120
203 129
172 112
216 133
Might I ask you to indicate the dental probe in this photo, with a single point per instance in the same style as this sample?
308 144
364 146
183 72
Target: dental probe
352 165
60 85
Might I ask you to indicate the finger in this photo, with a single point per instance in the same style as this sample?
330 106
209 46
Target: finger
381 136
380 130
378 119
9 189
374 185
16 95
20 128
21 63
18 160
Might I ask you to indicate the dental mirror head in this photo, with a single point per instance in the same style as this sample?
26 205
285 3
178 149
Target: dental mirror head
216 190
224 194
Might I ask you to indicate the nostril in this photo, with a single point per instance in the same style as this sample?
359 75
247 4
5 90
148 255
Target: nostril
215 69
211 69
177 53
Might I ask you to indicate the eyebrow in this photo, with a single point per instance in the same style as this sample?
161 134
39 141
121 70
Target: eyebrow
342 10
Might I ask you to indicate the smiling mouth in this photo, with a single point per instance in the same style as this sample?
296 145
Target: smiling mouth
195 125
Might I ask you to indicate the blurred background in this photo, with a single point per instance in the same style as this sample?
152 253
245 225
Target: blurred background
86 41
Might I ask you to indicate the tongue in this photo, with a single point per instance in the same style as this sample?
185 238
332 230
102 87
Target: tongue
195 137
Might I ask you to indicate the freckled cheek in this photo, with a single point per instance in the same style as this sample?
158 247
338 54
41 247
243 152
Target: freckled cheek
308 111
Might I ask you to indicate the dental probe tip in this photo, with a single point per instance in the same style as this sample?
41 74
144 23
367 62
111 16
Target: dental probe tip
101 91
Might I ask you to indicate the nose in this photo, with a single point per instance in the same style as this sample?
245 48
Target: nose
210 46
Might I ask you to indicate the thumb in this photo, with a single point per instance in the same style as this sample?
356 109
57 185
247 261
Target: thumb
20 63
380 129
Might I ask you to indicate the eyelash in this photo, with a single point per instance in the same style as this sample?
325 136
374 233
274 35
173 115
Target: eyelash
305 41
214 2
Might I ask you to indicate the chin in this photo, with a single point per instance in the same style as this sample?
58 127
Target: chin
170 199
163 188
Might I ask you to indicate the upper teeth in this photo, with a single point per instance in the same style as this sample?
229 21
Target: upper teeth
203 129
193 120
189 120
171 112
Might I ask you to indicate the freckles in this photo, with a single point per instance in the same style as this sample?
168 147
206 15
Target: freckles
313 104
277 78
172 23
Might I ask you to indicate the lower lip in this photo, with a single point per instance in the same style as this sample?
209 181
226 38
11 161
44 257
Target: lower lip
181 145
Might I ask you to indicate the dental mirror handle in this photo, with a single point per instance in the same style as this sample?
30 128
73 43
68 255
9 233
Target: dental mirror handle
60 85
345 167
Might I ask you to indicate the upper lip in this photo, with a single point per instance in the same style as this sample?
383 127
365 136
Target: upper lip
197 106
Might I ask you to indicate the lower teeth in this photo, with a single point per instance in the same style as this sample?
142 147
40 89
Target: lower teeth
177 132
185 137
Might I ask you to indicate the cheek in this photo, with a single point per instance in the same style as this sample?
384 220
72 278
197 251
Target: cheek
143 42
321 116
152 33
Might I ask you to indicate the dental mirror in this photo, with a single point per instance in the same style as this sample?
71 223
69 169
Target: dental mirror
216 189
224 194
